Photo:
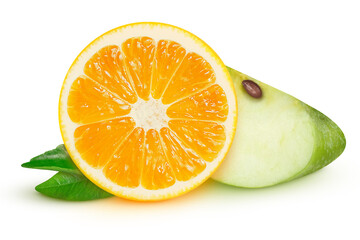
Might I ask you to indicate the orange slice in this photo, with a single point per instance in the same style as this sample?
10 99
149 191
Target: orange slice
147 111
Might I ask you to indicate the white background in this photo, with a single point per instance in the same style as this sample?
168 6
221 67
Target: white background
309 49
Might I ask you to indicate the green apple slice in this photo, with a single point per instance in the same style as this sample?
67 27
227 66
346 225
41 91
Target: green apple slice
278 138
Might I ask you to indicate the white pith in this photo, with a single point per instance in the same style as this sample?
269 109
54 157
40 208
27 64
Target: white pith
153 113
150 114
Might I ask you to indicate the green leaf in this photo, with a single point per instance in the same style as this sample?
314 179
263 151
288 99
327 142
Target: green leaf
57 159
69 183
72 187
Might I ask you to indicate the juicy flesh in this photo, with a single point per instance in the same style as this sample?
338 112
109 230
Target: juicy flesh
150 113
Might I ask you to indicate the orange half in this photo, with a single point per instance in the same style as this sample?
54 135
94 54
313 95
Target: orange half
147 111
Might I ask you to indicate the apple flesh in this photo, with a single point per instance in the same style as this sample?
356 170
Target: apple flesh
278 138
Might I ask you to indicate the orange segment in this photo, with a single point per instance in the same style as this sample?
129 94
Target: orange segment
209 104
205 138
108 69
147 111
157 172
168 57
139 55
89 102
193 75
98 141
127 162
184 162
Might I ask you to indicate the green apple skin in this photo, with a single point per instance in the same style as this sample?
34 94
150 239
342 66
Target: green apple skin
278 139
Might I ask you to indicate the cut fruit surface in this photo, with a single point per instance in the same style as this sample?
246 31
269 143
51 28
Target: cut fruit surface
278 138
147 111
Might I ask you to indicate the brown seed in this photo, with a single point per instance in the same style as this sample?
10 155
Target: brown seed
252 88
